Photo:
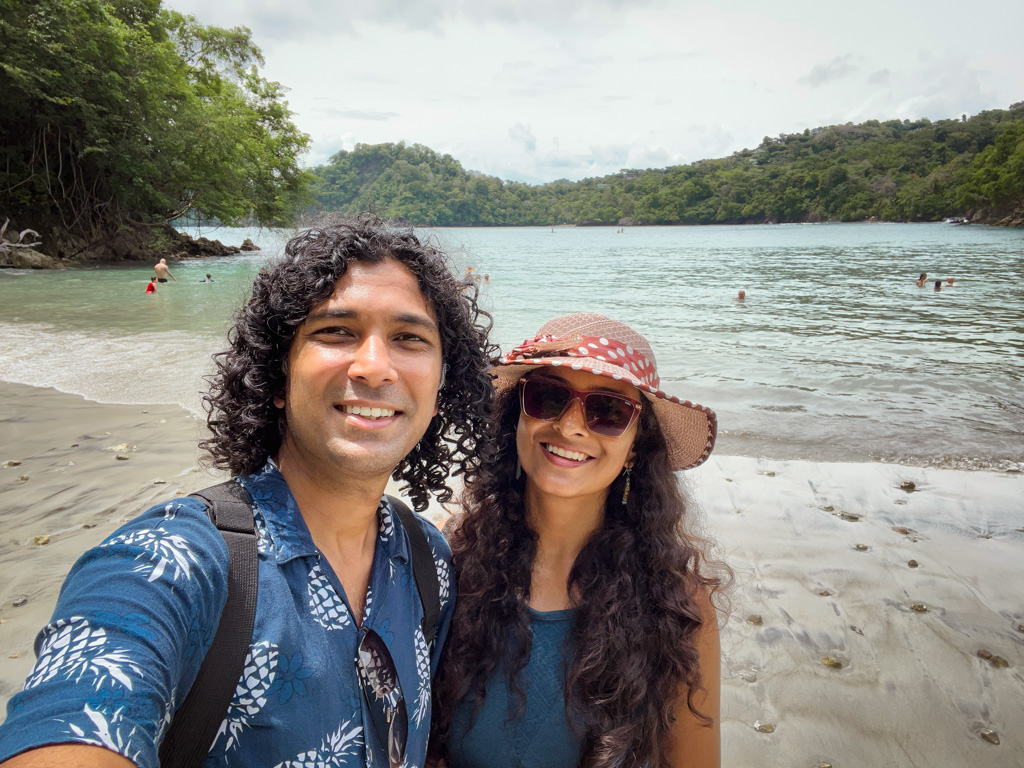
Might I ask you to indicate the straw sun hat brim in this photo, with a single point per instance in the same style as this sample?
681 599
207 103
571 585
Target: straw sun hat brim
689 428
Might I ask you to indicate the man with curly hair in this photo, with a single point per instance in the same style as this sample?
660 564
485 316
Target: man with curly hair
359 357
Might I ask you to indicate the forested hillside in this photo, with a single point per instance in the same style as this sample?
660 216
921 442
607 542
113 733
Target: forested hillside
892 170
120 116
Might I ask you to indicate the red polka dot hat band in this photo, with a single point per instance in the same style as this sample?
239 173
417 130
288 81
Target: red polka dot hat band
606 347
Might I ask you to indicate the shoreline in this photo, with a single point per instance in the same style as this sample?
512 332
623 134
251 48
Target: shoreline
911 691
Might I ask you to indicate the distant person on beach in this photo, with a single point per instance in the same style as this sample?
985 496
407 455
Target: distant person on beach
209 279
163 272
357 358
151 288
584 630
922 280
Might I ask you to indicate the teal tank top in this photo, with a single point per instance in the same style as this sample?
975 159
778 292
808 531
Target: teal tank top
541 737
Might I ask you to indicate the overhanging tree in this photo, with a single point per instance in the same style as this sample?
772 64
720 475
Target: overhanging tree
119 114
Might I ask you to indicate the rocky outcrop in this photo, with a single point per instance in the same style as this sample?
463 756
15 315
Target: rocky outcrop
202 247
27 258
249 245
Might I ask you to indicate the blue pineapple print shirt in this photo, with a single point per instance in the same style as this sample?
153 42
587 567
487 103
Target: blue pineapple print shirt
137 614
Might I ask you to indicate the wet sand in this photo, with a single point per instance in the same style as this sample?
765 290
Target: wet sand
911 689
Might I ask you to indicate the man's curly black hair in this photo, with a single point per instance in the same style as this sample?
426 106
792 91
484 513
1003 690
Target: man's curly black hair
248 429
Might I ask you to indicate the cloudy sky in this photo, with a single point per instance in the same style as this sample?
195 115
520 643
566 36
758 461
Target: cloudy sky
538 90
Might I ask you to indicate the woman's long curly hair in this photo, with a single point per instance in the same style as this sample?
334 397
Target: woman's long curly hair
637 587
247 428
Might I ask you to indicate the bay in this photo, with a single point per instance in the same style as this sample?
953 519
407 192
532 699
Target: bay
834 355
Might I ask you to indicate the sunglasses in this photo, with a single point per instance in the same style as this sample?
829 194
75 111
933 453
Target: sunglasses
607 413
383 694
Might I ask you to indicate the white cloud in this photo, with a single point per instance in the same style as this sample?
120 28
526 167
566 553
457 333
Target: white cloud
590 86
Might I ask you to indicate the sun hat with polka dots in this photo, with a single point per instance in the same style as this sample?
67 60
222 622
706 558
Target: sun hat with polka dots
585 341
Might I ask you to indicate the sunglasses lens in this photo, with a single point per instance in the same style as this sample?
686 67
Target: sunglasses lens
398 734
383 694
608 415
544 400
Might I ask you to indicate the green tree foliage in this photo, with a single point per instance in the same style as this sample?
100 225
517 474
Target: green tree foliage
893 170
122 113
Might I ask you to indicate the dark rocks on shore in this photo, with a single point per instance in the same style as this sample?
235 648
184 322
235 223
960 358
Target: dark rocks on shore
27 258
57 248
203 247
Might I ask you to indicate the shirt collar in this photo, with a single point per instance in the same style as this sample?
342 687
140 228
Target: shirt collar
283 530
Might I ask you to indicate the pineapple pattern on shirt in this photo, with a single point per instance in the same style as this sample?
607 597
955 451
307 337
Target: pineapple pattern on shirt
111 674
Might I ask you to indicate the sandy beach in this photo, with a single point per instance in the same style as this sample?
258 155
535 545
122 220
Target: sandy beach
898 590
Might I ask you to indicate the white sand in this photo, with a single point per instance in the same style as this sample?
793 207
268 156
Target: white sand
911 691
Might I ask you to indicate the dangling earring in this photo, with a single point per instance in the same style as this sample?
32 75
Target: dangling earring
519 469
625 491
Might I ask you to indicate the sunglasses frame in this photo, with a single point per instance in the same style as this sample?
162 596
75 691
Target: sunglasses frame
382 711
575 394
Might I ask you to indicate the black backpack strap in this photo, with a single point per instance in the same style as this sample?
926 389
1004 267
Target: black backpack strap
197 720
423 569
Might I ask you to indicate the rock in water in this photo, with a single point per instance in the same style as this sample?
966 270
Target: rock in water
249 245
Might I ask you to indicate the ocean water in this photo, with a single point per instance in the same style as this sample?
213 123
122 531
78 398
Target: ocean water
835 354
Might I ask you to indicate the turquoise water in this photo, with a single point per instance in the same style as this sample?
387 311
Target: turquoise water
834 355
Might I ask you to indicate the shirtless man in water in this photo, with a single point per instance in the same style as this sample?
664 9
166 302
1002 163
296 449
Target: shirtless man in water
163 272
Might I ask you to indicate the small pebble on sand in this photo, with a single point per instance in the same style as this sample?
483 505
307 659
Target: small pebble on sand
12 464
74 445
763 727
17 655
829 508
824 765
728 479
858 630
756 620
908 485
996 661
901 529
89 525
848 517
832 663
41 540
824 593
1020 627
912 563
23 478
119 457
768 473
989 735
861 547
159 482
919 608
20 602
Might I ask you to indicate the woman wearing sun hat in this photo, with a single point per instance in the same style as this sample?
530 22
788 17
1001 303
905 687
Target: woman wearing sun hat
584 631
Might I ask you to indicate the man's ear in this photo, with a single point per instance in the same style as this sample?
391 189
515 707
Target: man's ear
440 387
